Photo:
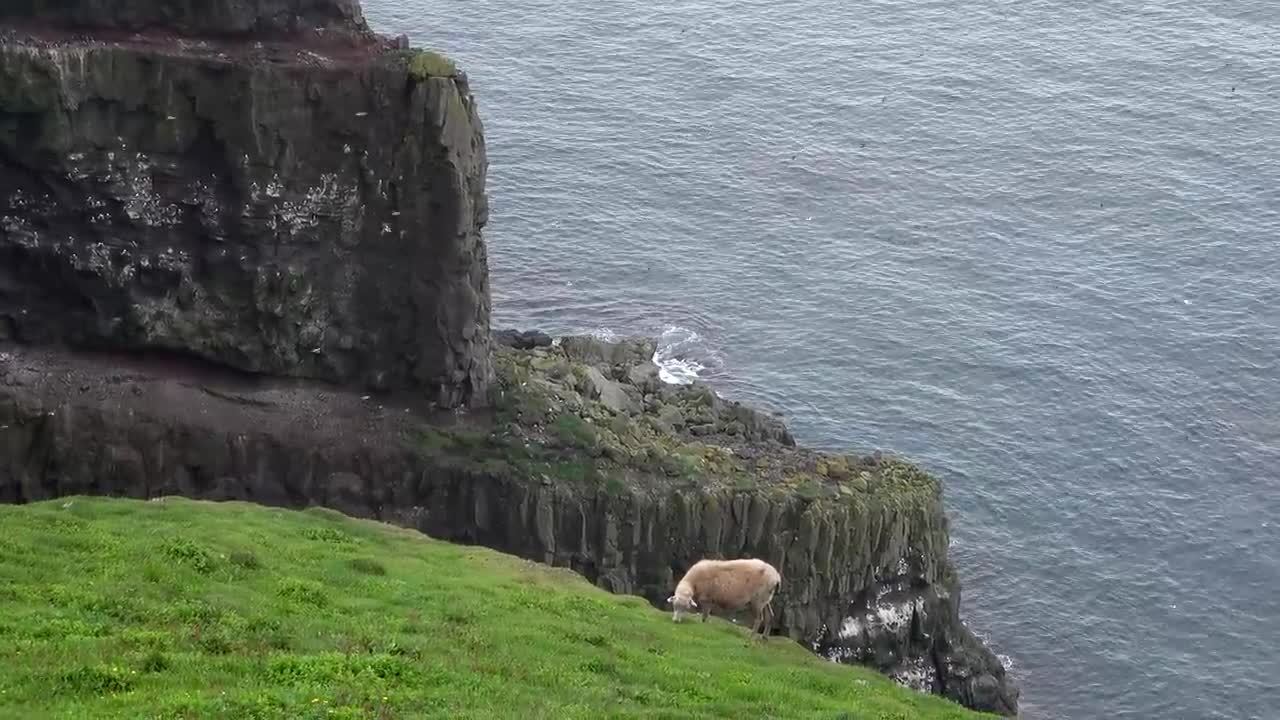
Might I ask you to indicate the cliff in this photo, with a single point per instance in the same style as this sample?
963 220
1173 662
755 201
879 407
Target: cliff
241 258
196 17
306 205
551 472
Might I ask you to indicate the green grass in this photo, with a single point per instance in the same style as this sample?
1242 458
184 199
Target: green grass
182 609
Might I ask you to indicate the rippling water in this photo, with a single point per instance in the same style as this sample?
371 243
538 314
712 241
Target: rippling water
1034 245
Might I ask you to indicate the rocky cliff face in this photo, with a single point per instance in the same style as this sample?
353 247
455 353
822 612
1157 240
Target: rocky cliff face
630 498
202 17
304 204
208 208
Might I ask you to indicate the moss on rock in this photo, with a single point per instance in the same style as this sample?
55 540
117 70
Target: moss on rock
425 64
548 419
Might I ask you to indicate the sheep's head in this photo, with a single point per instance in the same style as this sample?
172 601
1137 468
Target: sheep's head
681 603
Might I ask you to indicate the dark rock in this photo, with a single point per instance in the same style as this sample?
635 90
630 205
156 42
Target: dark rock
289 209
913 633
526 340
194 17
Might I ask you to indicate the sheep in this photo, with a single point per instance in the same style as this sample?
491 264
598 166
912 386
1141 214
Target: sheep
729 585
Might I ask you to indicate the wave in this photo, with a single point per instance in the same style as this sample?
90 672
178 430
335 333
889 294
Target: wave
683 355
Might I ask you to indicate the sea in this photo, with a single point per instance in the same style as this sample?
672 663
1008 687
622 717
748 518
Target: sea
1034 246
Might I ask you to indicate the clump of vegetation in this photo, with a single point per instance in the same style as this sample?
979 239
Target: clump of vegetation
575 432
368 566
244 559
185 551
425 63
447 631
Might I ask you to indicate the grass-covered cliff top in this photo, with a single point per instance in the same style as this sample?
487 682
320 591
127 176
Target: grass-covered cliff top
596 414
183 609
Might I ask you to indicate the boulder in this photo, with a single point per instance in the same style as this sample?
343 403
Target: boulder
611 394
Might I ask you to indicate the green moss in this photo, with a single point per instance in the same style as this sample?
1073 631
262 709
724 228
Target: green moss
811 488
614 484
450 445
424 64
575 432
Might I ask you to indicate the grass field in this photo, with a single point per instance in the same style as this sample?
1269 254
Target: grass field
182 609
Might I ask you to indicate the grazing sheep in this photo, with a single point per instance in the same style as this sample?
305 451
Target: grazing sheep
729 585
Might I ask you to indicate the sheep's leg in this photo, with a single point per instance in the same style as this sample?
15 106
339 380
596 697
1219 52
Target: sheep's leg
758 624
706 610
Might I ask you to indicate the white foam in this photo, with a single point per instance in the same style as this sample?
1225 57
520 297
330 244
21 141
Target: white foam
678 372
676 366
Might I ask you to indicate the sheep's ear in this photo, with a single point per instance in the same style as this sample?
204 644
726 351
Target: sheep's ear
671 599
692 603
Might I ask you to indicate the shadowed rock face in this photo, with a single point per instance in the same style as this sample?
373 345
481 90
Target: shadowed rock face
292 208
205 17
862 551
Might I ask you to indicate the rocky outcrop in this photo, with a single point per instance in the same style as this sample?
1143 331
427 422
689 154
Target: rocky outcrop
547 473
217 183
192 17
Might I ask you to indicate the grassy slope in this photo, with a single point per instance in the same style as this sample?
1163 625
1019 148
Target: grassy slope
115 608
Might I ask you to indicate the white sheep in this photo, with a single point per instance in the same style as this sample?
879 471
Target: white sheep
728 585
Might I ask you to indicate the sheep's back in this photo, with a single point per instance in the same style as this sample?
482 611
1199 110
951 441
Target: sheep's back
730 583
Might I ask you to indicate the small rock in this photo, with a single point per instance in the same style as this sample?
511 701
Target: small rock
645 376
671 418
610 393
527 340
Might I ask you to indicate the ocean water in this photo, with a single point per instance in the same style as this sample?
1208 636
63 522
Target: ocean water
1033 245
